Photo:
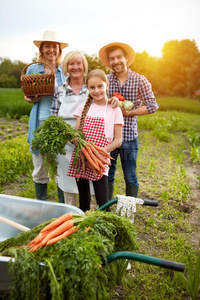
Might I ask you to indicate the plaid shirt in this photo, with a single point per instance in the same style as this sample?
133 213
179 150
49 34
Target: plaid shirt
63 91
138 90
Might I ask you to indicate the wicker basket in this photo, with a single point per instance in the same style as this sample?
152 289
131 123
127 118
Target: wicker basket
40 85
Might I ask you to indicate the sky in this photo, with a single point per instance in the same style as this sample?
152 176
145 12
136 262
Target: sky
87 25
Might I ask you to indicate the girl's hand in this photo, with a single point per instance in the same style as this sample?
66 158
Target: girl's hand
32 99
114 102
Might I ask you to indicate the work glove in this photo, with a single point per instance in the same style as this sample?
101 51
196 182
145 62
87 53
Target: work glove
126 206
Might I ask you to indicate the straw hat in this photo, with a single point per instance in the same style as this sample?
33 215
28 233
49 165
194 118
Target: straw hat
104 56
50 36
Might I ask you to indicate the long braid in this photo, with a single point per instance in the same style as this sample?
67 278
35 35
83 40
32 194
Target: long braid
85 110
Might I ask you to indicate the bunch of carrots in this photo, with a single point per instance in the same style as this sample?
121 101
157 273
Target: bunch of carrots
58 229
93 156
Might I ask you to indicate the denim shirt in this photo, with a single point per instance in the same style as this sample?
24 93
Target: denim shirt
34 115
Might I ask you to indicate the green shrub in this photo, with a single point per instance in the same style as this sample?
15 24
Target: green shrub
15 159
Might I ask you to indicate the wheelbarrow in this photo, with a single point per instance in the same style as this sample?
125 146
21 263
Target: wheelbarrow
30 213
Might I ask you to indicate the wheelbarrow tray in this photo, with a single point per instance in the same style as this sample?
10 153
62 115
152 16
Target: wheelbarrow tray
31 212
27 212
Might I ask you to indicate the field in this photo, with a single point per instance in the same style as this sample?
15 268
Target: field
168 171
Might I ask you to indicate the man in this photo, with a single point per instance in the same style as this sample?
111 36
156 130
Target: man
136 88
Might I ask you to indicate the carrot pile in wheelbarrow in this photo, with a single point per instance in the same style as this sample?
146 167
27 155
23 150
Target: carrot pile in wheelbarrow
72 265
50 139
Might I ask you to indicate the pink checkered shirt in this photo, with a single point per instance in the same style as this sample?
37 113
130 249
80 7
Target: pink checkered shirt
138 90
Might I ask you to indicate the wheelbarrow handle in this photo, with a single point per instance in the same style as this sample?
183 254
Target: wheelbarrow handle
163 263
115 200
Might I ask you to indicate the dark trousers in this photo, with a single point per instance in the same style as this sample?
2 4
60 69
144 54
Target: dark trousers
100 189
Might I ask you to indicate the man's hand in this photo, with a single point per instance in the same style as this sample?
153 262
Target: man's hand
126 113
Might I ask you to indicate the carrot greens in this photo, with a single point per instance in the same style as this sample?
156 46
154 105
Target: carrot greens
72 266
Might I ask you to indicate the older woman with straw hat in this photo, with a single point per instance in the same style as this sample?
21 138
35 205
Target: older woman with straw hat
50 52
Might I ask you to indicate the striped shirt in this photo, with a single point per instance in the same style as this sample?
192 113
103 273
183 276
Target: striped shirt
137 89
63 91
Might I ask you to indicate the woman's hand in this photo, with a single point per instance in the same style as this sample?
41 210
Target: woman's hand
114 102
32 99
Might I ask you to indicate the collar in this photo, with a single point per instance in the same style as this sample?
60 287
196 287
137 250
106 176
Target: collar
128 74
68 87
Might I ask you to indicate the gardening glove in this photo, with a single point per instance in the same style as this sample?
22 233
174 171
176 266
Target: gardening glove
126 206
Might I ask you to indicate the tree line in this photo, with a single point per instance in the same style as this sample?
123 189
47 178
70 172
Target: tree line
176 73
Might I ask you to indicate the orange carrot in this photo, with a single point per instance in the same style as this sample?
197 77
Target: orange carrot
93 169
34 248
78 168
57 222
82 161
38 238
58 231
98 155
102 150
63 235
87 229
95 159
89 158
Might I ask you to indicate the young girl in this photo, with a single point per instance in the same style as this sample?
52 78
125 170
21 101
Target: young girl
102 126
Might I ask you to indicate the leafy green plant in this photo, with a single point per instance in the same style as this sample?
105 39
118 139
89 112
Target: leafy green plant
24 119
9 130
195 153
15 159
192 283
120 267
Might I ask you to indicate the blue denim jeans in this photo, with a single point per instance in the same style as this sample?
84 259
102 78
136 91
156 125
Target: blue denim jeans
128 155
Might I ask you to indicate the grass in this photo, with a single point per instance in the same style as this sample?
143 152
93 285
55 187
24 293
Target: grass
165 141
12 104
182 104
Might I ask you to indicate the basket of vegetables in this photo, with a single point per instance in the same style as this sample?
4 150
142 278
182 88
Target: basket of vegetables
37 84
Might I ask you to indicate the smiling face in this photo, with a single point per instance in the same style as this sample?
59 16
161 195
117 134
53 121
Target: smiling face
97 89
75 67
50 51
117 60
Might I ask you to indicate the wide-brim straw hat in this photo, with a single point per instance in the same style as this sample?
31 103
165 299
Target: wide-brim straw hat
50 36
129 51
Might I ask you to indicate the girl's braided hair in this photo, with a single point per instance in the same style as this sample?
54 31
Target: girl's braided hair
94 73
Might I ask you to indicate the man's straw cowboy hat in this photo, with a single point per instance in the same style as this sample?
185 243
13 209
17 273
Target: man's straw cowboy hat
50 36
104 56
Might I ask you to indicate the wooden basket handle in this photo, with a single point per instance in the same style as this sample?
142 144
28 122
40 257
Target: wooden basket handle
36 62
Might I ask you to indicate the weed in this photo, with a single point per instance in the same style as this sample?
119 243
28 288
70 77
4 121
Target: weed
24 119
192 283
